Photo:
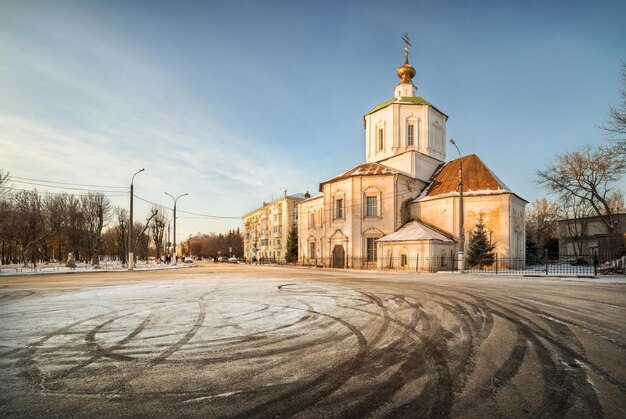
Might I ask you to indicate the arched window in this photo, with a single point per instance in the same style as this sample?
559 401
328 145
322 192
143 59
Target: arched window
444 259
380 136
338 210
372 202
410 131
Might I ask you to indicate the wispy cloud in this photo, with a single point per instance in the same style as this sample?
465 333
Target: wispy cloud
91 107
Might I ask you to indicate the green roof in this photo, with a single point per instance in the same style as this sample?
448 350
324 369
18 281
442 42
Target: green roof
415 100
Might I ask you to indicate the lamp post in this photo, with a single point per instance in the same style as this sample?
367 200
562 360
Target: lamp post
461 213
131 250
166 242
175 200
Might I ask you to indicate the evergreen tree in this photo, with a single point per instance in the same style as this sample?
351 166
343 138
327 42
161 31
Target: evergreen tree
532 250
292 244
480 253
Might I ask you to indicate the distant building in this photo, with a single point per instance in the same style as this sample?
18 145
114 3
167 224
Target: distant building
589 235
265 230
403 203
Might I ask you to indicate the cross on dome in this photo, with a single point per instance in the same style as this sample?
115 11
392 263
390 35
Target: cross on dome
407 44
406 72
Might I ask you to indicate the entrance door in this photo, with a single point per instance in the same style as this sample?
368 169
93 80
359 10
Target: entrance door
339 257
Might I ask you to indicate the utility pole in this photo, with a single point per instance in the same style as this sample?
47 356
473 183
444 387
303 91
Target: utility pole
131 250
461 213
175 200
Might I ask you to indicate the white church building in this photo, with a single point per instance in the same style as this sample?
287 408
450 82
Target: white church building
401 206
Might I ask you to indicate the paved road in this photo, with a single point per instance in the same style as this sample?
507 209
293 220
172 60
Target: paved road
238 341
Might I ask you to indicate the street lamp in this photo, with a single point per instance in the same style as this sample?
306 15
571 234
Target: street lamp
175 200
167 242
131 250
461 213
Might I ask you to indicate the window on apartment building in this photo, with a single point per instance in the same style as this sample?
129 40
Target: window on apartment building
410 133
338 208
371 206
312 249
312 220
371 249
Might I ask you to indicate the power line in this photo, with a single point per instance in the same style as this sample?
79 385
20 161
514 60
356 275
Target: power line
210 216
187 212
56 193
64 187
66 183
150 202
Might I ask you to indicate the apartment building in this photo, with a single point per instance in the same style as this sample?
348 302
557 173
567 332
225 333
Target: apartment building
265 230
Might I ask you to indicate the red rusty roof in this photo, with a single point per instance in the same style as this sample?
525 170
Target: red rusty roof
476 178
365 169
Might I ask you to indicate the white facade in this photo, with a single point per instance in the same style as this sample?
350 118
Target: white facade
406 125
352 223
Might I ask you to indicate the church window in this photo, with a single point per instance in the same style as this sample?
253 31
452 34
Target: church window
403 260
371 206
410 134
312 220
338 208
381 139
371 249
372 202
312 249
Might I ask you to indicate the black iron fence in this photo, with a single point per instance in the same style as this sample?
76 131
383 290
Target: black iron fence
568 265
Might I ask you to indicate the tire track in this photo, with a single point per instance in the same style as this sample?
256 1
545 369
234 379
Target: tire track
99 352
304 395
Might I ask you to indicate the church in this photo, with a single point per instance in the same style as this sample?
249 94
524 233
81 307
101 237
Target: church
401 208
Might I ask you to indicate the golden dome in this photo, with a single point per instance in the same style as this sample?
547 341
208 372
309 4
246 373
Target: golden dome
406 72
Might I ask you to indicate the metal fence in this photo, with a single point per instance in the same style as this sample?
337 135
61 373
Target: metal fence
567 265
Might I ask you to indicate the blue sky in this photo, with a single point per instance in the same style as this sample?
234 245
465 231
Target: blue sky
235 101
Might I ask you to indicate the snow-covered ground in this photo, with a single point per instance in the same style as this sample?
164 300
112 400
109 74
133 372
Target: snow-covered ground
58 268
535 272
244 340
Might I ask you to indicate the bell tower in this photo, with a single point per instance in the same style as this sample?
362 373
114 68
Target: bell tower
406 133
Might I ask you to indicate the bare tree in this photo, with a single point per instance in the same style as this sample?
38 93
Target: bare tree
122 232
4 181
35 220
575 213
72 233
616 202
96 208
157 228
588 174
541 220
142 230
616 126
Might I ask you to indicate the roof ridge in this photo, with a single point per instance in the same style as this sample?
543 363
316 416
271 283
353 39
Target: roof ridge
476 175
415 230
431 226
378 169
